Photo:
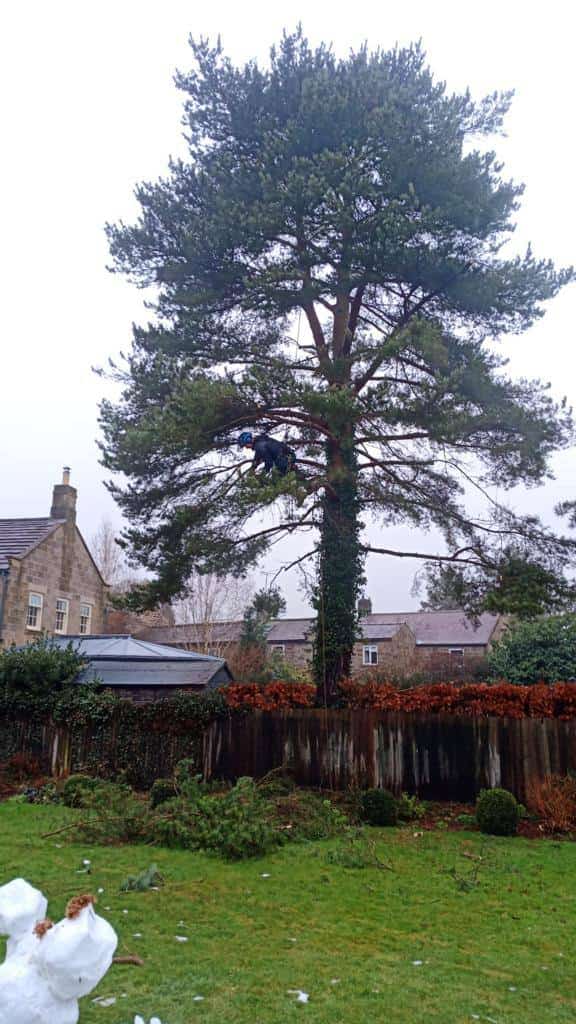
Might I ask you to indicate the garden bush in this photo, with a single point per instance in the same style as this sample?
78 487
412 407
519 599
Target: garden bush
306 816
553 799
497 812
378 807
77 789
39 668
410 808
543 650
498 699
162 790
21 766
276 783
271 696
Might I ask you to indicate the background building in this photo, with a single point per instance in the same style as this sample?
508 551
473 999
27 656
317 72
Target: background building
49 581
442 644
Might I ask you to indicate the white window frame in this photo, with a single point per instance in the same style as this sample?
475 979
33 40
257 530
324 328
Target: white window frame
38 608
370 655
278 649
85 626
65 612
456 650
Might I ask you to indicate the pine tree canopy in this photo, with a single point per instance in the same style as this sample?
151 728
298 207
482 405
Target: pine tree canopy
328 265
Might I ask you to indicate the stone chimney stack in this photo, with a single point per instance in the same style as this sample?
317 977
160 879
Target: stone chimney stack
364 606
64 499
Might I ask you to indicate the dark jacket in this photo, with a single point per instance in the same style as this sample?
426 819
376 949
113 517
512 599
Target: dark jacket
273 453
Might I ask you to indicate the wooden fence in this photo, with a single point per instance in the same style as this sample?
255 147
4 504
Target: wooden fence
107 749
442 757
437 756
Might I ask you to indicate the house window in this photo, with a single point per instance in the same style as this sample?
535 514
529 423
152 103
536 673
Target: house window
85 617
34 613
370 654
61 625
278 649
456 656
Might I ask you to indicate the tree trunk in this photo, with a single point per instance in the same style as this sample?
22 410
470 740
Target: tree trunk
340 575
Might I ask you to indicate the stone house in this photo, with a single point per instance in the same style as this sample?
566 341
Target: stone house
441 644
49 581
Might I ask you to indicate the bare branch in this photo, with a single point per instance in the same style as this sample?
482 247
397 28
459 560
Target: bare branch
455 558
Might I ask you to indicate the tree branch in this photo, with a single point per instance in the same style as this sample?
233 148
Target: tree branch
291 565
455 558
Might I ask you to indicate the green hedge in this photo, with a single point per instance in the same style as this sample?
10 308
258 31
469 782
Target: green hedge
92 730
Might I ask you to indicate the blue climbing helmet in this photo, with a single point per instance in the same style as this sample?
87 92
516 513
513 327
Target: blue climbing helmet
245 438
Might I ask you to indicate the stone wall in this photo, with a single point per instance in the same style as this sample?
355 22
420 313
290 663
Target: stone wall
59 567
395 655
444 662
118 620
399 655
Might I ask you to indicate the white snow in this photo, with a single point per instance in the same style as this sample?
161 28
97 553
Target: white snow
301 997
43 977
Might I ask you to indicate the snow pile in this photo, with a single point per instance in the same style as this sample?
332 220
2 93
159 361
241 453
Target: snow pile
49 967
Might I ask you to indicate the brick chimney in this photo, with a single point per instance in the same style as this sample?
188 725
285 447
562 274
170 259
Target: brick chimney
364 606
64 499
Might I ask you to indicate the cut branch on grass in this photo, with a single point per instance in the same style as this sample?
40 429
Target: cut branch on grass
130 958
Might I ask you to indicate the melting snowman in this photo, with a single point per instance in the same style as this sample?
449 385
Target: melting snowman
49 967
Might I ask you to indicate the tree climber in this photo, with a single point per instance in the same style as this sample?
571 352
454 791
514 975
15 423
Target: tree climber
274 454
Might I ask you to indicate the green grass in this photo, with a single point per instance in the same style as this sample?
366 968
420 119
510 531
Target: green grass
349 937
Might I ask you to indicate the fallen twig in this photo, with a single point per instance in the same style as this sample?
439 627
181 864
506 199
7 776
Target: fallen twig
80 824
132 958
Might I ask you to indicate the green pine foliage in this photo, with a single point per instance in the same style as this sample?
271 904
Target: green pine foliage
162 790
517 582
543 650
78 789
266 605
328 263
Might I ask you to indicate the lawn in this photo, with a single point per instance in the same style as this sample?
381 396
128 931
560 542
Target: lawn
420 942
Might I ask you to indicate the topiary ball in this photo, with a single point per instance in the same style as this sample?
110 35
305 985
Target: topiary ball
378 807
497 812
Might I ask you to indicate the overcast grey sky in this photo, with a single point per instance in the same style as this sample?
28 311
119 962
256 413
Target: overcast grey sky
89 109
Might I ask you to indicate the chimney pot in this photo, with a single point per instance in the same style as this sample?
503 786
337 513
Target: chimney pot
66 476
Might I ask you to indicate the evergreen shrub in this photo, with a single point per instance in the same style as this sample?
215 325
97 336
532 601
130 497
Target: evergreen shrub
497 812
162 790
379 807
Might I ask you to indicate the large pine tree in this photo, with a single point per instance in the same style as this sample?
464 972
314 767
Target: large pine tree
328 265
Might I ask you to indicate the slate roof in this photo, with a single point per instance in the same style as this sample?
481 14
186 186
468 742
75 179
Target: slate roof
373 631
445 629
18 536
190 633
284 630
441 628
122 660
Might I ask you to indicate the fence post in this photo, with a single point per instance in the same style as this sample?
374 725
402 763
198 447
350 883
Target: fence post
60 751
